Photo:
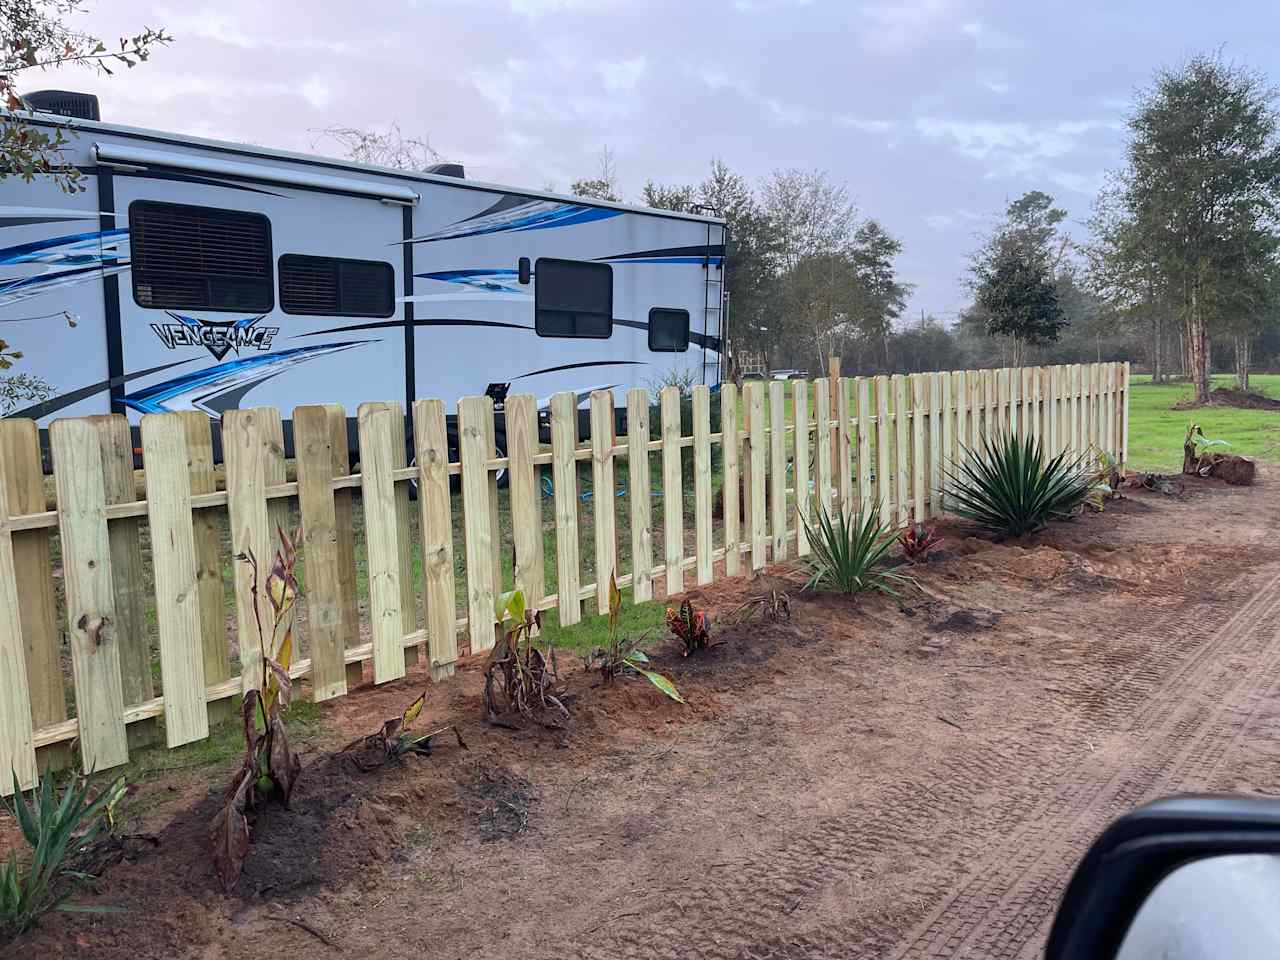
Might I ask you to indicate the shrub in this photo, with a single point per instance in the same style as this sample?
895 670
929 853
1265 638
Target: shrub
692 628
60 830
848 554
1009 487
519 676
917 540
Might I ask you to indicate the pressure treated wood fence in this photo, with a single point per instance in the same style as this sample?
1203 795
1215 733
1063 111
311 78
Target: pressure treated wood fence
783 449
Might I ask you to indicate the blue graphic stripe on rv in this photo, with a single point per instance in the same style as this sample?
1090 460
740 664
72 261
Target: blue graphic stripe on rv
199 388
520 217
73 248
492 280
622 261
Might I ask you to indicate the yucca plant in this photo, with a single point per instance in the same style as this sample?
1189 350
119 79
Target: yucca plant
1009 486
60 830
848 554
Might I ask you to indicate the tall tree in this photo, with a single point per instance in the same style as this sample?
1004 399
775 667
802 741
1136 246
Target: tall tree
35 38
1200 185
1013 274
681 198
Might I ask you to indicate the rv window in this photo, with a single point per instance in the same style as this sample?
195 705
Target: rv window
573 299
326 286
668 330
200 258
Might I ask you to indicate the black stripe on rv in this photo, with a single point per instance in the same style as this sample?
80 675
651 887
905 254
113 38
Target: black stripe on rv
701 339
384 324
61 402
699 250
579 366
173 175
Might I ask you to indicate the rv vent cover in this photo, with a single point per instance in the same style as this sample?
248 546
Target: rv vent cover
447 170
82 106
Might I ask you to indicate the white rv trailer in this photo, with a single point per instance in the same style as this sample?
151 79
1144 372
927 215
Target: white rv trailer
209 276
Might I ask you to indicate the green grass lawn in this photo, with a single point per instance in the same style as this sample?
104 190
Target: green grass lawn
1156 430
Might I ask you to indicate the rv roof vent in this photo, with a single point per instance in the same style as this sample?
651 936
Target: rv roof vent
82 106
447 170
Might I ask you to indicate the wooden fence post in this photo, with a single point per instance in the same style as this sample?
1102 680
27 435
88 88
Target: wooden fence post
844 448
822 443
173 550
91 603
115 444
39 642
564 478
603 489
778 467
835 386
18 457
640 486
474 451
1126 386
431 453
884 437
702 480
672 490
731 485
801 474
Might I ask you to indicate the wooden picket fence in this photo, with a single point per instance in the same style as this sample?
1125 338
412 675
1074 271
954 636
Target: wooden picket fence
848 443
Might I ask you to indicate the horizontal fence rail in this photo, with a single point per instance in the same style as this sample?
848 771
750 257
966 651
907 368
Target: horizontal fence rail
123 615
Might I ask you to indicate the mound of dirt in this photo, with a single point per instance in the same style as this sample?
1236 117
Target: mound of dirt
1231 397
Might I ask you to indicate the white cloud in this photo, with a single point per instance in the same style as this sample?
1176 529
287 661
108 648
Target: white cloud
621 76
1008 147
996 86
863 125
767 6
895 25
316 92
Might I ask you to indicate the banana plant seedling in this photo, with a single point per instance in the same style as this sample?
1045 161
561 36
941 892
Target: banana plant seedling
394 740
622 655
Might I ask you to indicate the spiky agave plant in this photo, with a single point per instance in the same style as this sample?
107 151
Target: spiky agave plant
847 554
59 827
1009 486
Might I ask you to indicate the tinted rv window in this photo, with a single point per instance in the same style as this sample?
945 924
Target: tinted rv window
573 299
668 330
200 258
325 286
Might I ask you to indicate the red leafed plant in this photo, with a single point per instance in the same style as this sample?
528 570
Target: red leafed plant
692 628
916 541
270 768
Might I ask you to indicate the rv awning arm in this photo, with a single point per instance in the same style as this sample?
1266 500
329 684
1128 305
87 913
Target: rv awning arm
139 158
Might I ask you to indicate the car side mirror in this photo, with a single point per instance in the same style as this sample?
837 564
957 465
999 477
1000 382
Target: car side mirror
1185 877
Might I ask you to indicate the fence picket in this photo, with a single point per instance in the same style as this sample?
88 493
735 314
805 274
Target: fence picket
844 449
862 398
18 707
672 490
934 451
822 443
640 487
564 480
475 414
919 431
1124 416
800 474
702 481
529 574
942 454
381 429
40 639
731 484
902 447
91 614
431 454
757 453
115 443
174 557
884 474
778 466
313 448
603 491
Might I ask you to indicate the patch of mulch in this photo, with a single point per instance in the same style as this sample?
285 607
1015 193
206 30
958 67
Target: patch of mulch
1231 397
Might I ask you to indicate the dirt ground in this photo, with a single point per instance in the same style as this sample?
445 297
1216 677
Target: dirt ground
868 780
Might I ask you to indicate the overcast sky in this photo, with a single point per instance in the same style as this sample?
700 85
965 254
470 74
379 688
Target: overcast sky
935 112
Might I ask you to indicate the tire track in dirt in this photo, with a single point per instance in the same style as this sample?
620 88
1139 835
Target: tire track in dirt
906 822
1008 898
